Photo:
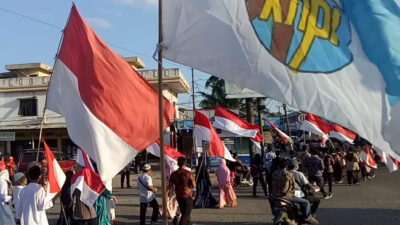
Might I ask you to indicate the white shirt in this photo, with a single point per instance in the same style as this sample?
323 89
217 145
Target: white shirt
6 216
15 196
300 181
145 181
32 212
269 156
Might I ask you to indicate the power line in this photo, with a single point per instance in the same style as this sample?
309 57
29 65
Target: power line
109 43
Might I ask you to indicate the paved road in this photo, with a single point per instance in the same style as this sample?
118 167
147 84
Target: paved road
375 202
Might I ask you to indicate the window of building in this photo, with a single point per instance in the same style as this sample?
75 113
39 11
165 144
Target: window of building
28 107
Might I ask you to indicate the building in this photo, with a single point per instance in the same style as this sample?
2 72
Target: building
22 100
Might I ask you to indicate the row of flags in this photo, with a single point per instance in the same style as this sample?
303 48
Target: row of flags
112 112
325 130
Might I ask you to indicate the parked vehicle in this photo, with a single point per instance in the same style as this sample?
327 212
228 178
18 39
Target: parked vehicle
28 157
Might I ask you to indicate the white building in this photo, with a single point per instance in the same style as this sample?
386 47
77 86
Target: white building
22 99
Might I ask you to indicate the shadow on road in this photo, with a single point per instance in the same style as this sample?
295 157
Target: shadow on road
347 216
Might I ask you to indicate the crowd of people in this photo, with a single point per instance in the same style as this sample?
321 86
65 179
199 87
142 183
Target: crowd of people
297 176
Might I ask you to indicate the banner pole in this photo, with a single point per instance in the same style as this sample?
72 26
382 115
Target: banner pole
47 91
160 114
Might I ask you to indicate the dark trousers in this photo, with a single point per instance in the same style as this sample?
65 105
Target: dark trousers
338 173
185 206
85 222
268 178
352 177
143 208
262 182
328 178
319 182
127 175
314 201
68 215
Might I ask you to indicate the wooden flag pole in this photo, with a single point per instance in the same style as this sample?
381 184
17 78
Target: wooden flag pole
47 91
160 114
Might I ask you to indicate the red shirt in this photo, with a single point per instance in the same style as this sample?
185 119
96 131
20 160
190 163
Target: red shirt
182 180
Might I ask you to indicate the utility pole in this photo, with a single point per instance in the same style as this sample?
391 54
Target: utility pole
194 113
259 109
250 119
287 120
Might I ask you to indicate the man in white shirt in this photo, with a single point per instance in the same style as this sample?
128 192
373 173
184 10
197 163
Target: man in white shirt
146 195
6 216
33 196
301 183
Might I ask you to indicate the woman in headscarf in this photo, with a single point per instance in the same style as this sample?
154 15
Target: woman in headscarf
227 195
204 197
6 216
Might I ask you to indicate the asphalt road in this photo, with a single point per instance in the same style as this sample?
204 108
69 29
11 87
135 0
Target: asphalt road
375 202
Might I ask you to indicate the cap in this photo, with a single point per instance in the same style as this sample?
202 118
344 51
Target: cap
146 167
18 176
293 163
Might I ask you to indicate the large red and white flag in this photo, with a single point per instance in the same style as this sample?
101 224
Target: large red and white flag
226 120
284 137
367 159
55 175
391 163
110 110
316 55
171 154
87 181
342 133
316 125
203 130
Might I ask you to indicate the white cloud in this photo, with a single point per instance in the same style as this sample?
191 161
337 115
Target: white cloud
98 22
137 2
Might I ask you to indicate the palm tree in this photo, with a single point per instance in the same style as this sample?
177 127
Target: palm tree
217 97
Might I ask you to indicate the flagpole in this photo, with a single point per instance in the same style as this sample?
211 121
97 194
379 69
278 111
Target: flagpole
47 91
194 113
160 114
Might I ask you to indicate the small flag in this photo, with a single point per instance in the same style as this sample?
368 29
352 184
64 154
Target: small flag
86 180
226 120
171 154
284 137
203 130
342 133
317 126
367 159
55 175
391 163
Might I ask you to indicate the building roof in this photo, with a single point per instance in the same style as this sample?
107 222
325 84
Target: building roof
28 66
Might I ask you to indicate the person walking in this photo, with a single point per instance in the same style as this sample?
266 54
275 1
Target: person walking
125 174
352 167
226 193
185 188
338 166
146 195
66 213
6 216
204 197
315 166
328 172
33 196
256 173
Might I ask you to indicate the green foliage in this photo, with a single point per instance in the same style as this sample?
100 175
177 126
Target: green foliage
217 97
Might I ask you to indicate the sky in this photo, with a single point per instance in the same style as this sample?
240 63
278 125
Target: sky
130 27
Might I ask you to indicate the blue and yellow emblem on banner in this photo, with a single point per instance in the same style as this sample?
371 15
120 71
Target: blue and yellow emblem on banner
305 35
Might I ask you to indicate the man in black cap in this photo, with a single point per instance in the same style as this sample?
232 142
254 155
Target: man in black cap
301 186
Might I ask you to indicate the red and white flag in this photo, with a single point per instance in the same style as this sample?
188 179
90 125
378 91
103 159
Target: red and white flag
391 163
110 110
284 137
342 133
316 125
87 181
203 130
83 159
171 154
367 159
55 175
226 120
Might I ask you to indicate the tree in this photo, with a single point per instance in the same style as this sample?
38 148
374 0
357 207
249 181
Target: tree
217 97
